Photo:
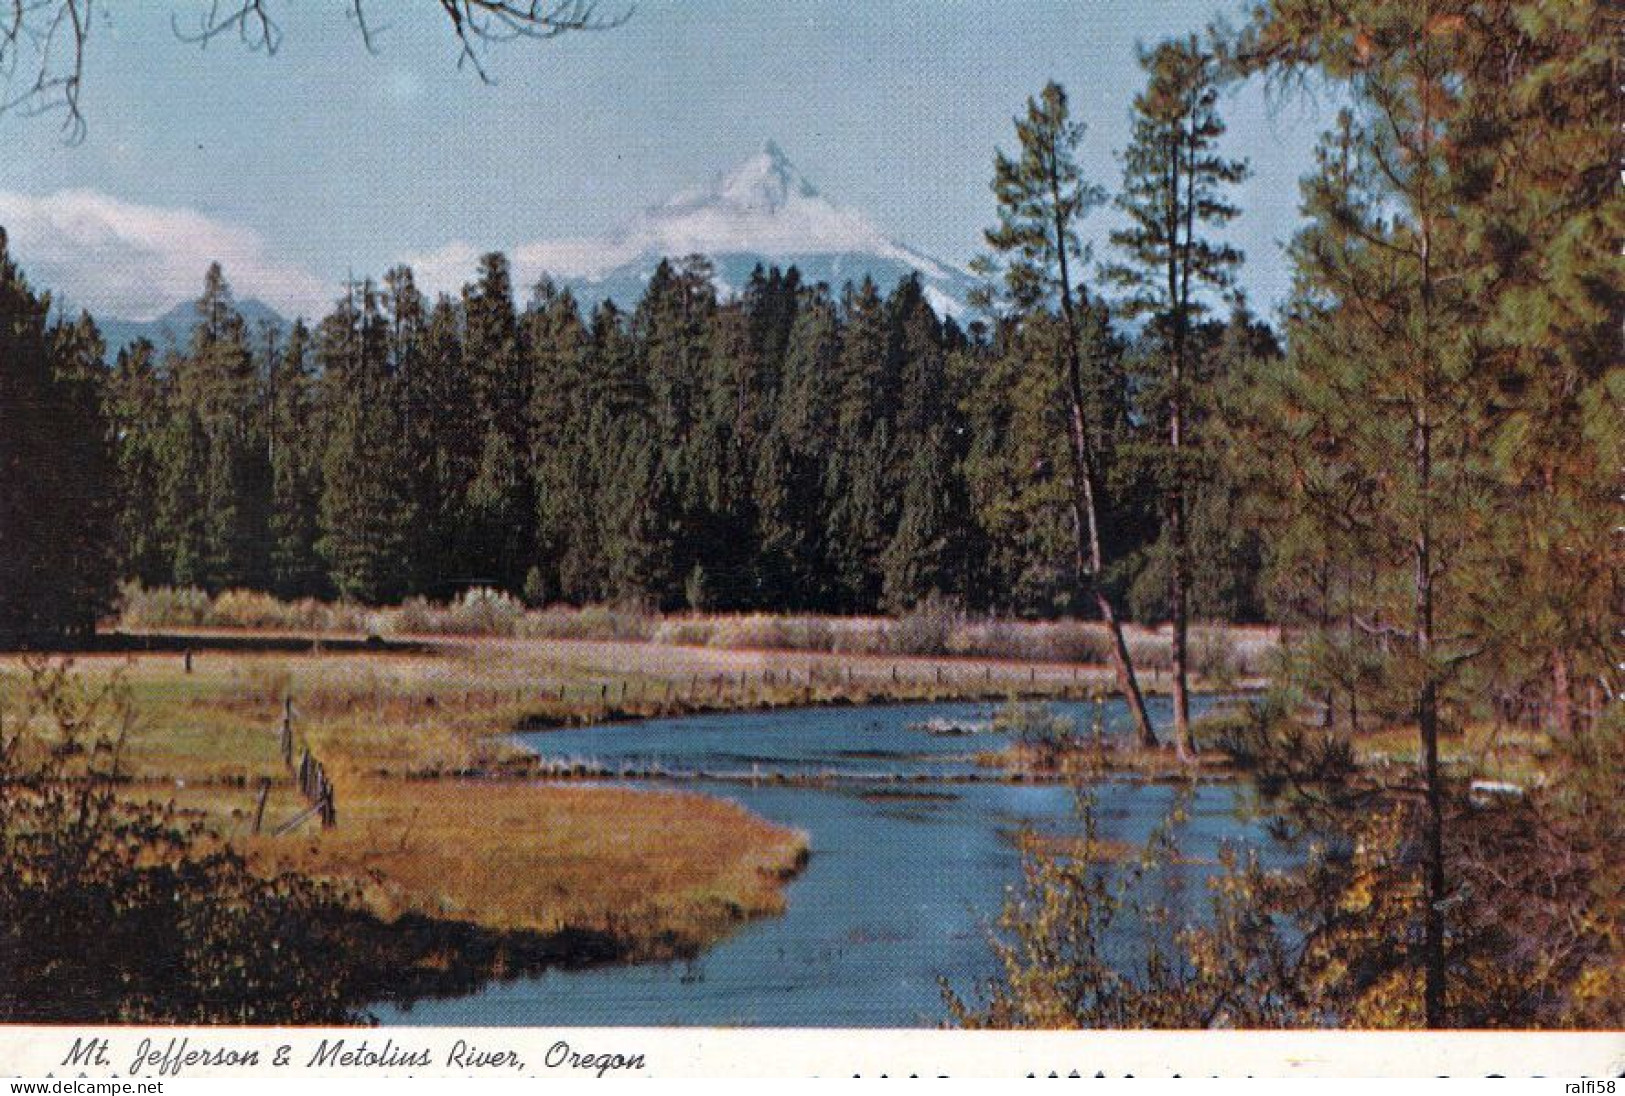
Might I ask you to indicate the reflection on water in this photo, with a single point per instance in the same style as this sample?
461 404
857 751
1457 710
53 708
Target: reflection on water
902 883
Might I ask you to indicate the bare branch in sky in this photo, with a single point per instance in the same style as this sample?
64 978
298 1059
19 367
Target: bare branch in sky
42 42
42 54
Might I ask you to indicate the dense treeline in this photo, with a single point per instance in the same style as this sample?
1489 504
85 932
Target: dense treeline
57 489
794 448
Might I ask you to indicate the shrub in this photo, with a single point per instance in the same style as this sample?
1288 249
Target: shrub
113 911
162 607
482 611
263 684
535 590
1215 657
744 632
592 622
345 616
414 616
1151 653
697 590
685 633
1047 641
1048 737
802 633
926 629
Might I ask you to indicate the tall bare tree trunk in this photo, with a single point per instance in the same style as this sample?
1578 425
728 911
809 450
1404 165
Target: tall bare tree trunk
1088 557
1089 561
1179 585
1427 707
1427 718
1182 216
1427 722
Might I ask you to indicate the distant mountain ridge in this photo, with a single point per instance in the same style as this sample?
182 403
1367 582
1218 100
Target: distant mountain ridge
174 328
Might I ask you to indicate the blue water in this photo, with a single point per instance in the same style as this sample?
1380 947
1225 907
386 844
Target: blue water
903 881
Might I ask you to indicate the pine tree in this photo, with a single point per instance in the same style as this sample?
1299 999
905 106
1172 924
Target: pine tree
859 506
1544 205
917 401
929 554
557 340
672 330
712 487
500 506
611 392
56 471
86 479
788 483
137 410
1173 180
1042 196
365 511
1387 361
183 454
295 448
1227 547
637 514
670 326
442 451
217 382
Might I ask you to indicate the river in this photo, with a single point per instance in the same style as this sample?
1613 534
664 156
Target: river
904 879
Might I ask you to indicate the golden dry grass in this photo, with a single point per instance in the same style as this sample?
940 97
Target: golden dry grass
525 856
657 870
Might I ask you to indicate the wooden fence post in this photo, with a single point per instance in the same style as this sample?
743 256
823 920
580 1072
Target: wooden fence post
259 808
330 814
287 732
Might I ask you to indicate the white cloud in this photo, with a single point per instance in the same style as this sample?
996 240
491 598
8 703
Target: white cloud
445 269
131 261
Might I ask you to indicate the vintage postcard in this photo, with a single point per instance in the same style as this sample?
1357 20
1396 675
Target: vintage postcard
551 537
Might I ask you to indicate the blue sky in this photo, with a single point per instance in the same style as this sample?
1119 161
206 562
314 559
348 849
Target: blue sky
322 160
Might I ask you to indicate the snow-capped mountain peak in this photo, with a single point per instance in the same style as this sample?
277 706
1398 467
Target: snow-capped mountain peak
762 211
765 183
